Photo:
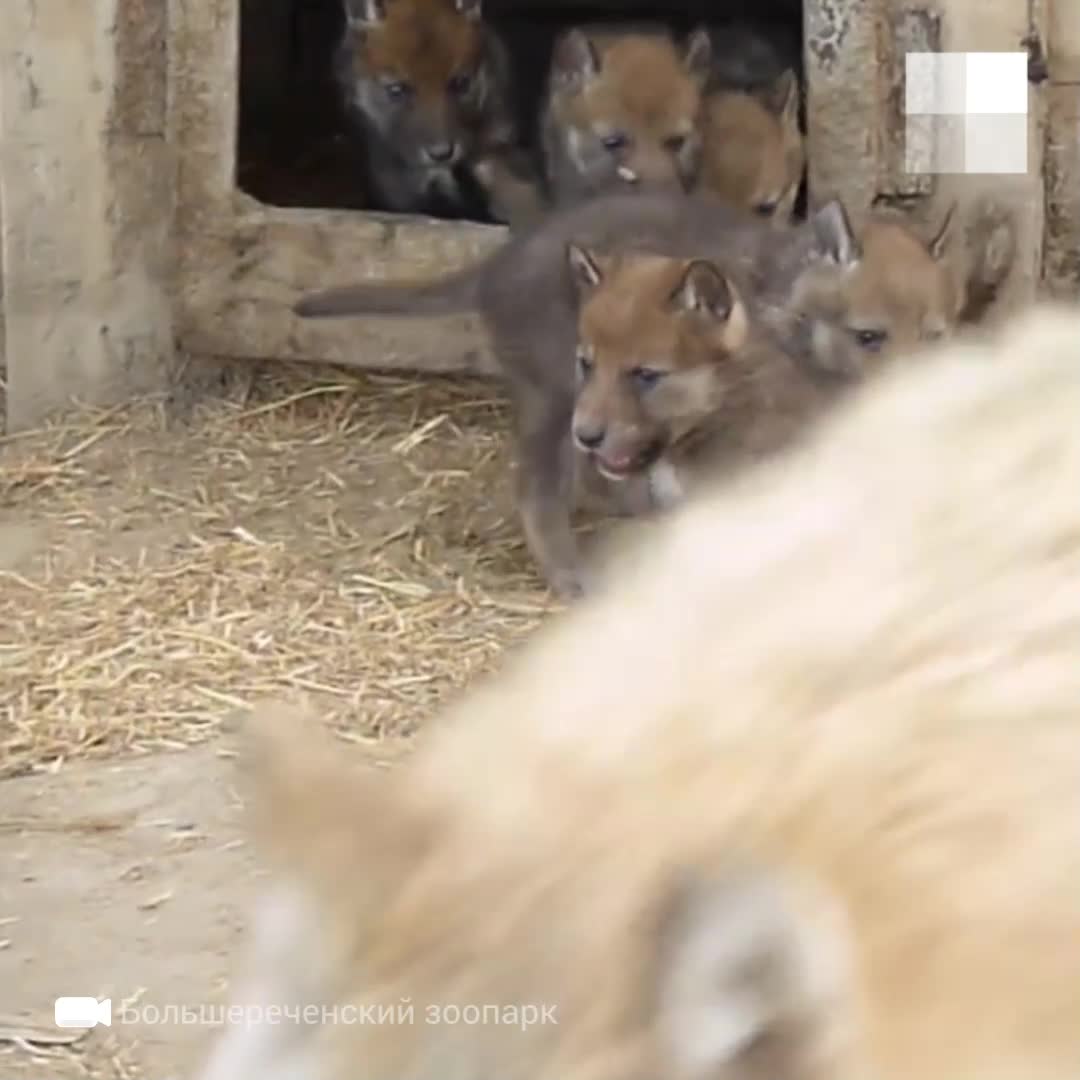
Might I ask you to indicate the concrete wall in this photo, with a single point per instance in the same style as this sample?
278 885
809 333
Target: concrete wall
3 327
1062 254
86 182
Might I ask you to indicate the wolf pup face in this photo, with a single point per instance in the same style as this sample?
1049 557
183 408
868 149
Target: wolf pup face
424 77
656 338
754 155
625 112
883 291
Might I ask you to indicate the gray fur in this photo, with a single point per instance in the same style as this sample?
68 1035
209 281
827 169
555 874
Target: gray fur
526 295
399 133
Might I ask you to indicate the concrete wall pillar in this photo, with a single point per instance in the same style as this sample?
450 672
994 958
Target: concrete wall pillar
88 193
1062 254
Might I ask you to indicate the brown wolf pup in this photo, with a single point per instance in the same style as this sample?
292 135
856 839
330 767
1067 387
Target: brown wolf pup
526 295
675 383
624 107
429 83
889 290
798 797
753 149
675 378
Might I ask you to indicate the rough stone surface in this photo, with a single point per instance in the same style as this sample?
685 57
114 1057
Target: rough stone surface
1062 255
86 183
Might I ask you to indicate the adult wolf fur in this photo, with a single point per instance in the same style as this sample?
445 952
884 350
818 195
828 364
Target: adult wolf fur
799 797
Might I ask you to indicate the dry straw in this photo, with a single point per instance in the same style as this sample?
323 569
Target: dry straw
347 536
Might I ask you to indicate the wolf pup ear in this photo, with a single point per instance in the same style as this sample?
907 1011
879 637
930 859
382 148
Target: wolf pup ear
575 60
698 53
785 96
364 13
707 293
941 241
585 267
835 236
704 288
743 977
471 9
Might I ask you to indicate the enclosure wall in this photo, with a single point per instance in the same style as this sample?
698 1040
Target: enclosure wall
1062 255
86 182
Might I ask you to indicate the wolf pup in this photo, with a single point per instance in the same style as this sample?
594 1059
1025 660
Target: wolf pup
754 153
799 797
526 295
429 82
675 380
890 289
624 107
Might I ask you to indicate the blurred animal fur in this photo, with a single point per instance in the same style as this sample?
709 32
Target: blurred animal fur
798 795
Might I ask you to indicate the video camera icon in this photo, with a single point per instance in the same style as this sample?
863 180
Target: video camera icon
82 1012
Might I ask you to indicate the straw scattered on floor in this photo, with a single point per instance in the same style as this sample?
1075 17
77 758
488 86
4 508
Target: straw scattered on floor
346 536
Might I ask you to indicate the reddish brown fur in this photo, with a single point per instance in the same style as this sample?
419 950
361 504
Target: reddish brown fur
453 87
657 339
753 155
634 308
892 290
645 88
424 41
639 86
724 390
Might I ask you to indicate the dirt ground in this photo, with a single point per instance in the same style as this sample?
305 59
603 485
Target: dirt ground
271 532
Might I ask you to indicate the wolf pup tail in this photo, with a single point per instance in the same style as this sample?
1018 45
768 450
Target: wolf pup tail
448 295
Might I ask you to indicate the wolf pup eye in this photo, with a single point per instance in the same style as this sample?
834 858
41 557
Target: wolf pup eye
646 377
584 364
397 90
870 340
766 209
674 144
615 140
459 84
